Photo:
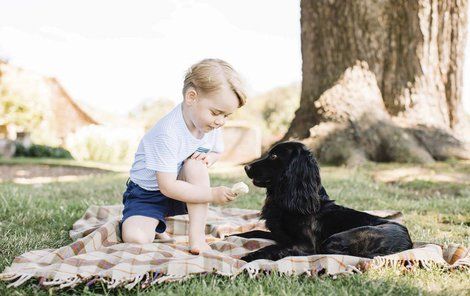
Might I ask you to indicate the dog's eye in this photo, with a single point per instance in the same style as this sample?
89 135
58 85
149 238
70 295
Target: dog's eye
272 156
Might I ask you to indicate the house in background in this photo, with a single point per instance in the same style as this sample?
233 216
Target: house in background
67 115
61 114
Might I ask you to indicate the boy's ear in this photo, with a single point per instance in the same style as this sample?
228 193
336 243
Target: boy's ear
191 96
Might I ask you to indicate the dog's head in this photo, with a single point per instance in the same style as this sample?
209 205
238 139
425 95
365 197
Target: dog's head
291 175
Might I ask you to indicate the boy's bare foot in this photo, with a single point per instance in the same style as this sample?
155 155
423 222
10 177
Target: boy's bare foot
196 249
163 235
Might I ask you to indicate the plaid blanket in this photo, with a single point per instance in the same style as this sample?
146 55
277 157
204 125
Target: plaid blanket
98 254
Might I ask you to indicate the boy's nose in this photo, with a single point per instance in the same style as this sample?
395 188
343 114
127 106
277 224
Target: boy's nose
247 168
220 122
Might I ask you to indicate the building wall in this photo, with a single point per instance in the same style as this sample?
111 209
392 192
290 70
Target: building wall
61 114
67 116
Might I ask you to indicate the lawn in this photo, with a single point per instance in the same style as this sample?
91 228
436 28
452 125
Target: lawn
38 216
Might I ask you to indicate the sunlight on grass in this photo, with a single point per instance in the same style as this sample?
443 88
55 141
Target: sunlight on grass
40 216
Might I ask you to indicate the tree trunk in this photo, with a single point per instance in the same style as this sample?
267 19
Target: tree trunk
382 80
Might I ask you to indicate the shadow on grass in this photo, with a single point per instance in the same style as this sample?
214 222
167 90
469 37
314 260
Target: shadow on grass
272 284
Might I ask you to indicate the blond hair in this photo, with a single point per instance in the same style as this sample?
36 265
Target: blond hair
210 75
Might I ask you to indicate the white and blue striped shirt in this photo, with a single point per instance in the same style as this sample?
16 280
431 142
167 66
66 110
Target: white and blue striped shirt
165 146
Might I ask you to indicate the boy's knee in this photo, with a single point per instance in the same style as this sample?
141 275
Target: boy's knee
195 172
137 236
193 165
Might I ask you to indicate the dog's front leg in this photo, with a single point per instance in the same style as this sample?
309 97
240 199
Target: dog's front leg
273 252
255 234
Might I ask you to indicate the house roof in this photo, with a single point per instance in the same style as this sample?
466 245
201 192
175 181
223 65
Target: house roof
76 105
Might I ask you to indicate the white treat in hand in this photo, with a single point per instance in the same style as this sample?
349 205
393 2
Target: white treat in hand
240 188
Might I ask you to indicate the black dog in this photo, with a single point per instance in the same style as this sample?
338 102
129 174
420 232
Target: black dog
303 220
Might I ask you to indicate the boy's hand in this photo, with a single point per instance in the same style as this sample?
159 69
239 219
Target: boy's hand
240 188
201 156
222 194
208 158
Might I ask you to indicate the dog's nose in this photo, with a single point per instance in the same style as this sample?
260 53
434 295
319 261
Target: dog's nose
247 168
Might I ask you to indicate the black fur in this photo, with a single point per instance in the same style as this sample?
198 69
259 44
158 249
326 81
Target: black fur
304 221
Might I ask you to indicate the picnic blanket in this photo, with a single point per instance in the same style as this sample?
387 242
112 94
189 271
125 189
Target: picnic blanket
98 254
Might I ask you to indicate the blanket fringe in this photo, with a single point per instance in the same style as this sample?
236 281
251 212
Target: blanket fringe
136 280
380 262
461 264
71 282
350 269
9 276
154 277
252 271
110 282
20 279
171 278
148 279
54 282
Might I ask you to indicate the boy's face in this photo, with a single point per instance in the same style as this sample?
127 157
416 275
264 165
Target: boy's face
210 111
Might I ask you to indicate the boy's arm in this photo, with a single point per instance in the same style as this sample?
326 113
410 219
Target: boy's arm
213 157
187 192
178 189
208 158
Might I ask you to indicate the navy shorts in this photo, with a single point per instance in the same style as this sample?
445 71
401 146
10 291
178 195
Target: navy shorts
153 204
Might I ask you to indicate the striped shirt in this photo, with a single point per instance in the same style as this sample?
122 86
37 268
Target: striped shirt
165 146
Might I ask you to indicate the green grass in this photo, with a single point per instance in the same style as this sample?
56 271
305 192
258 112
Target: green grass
40 216
115 167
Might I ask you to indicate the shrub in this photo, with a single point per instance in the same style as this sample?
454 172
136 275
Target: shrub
272 111
150 112
104 143
279 108
41 151
24 97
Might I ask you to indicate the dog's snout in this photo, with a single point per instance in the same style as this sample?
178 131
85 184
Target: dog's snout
247 168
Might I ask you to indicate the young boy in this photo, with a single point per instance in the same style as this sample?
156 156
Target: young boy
169 175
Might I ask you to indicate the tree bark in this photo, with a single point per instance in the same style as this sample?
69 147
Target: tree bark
376 69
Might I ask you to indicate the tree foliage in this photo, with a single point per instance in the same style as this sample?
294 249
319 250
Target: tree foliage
23 98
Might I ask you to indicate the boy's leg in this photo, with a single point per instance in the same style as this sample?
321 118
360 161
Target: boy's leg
196 172
139 229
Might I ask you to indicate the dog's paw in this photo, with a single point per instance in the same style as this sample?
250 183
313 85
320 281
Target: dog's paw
247 258
250 257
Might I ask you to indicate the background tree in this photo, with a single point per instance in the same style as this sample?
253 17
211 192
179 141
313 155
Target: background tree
23 98
382 80
151 110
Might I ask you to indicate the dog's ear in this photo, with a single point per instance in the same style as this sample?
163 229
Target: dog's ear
299 184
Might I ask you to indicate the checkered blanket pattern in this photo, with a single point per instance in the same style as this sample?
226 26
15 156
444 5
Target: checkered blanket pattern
97 254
